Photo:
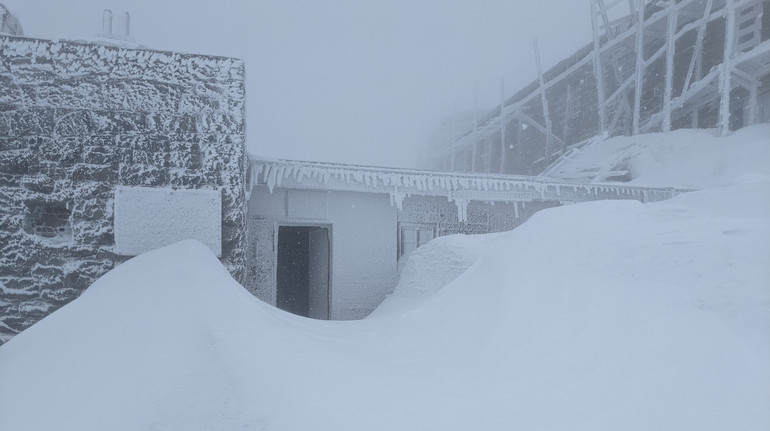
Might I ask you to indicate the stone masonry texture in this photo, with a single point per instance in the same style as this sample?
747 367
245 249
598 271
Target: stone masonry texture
79 119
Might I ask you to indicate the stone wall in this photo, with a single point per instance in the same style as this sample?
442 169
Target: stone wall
79 119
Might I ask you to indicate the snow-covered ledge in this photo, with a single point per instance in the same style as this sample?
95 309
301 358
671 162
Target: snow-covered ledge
455 186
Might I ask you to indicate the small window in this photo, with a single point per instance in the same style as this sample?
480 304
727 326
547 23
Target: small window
413 235
50 220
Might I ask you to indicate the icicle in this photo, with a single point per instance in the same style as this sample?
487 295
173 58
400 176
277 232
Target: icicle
279 175
301 174
462 209
266 173
397 199
270 178
516 209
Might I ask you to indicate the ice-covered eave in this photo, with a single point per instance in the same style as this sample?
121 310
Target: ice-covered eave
110 43
458 187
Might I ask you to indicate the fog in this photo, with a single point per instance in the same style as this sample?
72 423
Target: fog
346 80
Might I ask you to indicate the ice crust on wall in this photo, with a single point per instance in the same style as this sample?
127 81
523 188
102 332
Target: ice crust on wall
79 119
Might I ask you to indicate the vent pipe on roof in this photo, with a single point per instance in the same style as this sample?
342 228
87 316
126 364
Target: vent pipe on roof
124 24
107 22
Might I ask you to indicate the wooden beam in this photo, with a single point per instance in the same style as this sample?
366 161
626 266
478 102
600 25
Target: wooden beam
725 84
598 72
567 115
698 50
502 127
639 66
669 85
544 101
531 121
475 127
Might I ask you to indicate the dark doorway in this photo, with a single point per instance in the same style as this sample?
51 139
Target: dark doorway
303 271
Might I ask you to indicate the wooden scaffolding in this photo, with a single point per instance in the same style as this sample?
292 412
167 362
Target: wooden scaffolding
665 65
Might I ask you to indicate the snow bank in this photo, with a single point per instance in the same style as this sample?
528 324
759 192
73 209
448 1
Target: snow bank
689 158
603 316
599 316
432 266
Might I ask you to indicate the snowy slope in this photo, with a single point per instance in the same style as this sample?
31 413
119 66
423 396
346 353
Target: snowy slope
682 158
599 316
432 266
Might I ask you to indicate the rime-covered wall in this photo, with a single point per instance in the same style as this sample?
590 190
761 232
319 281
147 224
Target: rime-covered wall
79 119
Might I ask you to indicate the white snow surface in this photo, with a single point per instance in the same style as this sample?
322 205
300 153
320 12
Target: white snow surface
683 158
610 315
432 266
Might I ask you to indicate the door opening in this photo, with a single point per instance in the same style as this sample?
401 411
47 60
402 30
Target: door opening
303 271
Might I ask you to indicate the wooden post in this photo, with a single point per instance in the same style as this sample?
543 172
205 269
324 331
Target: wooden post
605 18
544 101
453 143
639 66
725 81
567 116
503 124
670 47
475 127
753 96
598 72
697 54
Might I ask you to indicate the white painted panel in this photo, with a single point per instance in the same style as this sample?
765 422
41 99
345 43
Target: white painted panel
307 205
148 218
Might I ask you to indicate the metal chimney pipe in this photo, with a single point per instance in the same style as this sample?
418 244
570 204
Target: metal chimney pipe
125 24
107 22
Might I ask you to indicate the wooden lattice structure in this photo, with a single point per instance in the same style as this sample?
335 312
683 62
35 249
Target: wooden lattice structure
666 65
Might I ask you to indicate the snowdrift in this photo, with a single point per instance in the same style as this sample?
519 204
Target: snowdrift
608 315
432 266
683 158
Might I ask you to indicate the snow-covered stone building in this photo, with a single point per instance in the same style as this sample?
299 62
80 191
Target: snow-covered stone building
106 152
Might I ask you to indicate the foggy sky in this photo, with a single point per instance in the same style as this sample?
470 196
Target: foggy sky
351 81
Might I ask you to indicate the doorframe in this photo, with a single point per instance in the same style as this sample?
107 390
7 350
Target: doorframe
309 223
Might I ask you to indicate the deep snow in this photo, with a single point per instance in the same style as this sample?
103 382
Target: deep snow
599 316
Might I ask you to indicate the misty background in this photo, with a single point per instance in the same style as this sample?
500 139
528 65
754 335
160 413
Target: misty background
348 81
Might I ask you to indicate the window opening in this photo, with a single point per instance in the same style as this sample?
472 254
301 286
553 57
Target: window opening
411 236
50 220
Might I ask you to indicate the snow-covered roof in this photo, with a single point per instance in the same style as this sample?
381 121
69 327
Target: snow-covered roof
455 186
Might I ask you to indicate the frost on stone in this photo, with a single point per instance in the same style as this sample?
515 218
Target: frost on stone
80 119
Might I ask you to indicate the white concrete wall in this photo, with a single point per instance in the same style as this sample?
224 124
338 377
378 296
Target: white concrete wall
364 248
363 242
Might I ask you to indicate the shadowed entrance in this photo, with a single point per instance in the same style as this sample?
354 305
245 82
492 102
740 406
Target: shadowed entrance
303 271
